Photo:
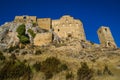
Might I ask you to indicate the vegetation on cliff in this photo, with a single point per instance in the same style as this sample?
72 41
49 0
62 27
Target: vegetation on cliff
31 33
21 34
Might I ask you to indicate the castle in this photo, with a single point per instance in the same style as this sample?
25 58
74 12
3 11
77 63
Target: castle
63 28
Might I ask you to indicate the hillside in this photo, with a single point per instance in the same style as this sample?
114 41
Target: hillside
96 59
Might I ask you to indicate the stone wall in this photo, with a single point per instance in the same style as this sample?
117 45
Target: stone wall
42 39
45 23
25 19
105 37
63 28
67 26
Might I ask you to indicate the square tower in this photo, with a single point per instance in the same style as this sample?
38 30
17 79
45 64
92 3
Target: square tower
44 23
105 37
68 27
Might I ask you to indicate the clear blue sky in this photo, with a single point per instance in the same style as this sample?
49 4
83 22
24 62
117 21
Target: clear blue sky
93 13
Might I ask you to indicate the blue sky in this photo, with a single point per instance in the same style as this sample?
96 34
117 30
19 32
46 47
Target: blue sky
93 13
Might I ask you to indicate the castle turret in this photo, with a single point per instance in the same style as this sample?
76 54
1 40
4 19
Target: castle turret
105 37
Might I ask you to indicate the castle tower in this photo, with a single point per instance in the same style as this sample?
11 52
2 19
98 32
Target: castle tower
67 26
105 37
44 23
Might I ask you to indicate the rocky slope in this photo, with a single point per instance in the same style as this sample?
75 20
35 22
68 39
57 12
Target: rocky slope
70 52
9 35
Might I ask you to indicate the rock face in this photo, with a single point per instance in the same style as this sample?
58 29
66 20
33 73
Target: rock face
8 35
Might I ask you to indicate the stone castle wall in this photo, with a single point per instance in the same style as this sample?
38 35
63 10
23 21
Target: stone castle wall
67 26
105 37
44 23
42 39
25 19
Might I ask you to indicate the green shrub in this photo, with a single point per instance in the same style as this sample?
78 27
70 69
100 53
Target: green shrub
24 39
53 66
13 57
84 73
69 75
31 33
2 57
107 71
50 66
14 70
24 52
48 74
21 34
11 48
38 52
59 44
99 72
21 29
63 67
34 24
37 66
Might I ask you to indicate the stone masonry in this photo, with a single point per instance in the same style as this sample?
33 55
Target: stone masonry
44 23
43 39
63 28
25 19
105 37
67 26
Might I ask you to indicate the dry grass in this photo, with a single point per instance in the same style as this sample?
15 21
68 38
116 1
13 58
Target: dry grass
71 58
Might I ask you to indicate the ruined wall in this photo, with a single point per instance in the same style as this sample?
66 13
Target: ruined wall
105 37
67 26
25 19
44 23
42 39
